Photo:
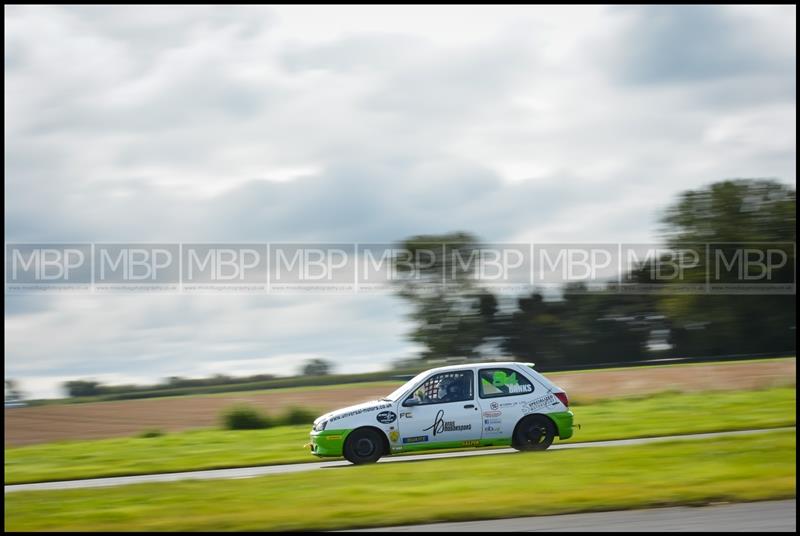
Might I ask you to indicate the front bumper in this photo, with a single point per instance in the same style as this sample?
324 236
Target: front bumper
328 443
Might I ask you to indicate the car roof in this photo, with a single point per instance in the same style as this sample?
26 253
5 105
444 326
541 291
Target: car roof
463 366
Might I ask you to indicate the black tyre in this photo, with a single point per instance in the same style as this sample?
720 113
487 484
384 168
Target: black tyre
363 446
534 432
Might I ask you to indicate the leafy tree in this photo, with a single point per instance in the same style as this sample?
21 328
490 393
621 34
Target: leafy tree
82 388
453 316
317 367
727 215
581 328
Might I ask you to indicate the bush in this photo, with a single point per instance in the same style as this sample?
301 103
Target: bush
295 415
154 432
245 418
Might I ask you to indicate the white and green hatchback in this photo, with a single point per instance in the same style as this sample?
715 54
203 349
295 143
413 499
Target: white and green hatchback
474 405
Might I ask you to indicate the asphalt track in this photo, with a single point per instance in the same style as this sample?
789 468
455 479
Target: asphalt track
767 516
250 472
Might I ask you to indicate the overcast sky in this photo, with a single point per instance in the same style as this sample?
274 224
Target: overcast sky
352 124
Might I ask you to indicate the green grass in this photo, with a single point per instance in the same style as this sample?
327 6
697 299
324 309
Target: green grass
684 413
748 468
653 415
194 449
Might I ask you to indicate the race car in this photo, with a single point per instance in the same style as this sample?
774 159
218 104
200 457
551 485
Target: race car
475 405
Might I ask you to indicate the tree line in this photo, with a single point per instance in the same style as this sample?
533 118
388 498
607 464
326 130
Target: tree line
177 384
463 319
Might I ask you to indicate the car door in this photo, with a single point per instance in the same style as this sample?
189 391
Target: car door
441 412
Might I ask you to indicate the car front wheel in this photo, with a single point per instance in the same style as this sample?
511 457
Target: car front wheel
534 432
363 446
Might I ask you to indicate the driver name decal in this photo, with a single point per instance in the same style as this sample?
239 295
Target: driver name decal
440 425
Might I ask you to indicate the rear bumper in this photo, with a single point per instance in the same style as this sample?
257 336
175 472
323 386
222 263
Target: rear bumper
563 420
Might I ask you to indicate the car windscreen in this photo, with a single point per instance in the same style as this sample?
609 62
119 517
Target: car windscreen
397 393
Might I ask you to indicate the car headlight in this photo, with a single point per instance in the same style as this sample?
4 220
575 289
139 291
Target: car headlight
320 426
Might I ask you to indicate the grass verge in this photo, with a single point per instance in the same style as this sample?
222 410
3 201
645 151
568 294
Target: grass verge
646 416
746 468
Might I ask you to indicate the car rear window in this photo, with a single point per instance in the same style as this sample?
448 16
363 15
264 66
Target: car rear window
497 382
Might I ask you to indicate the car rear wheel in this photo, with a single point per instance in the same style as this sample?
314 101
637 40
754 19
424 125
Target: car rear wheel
363 446
534 432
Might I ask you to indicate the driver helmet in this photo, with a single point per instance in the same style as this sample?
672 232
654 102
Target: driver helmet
450 388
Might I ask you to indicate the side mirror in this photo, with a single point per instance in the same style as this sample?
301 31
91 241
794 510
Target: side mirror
411 402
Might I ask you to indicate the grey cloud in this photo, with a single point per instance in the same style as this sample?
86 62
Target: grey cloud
675 44
360 202
26 305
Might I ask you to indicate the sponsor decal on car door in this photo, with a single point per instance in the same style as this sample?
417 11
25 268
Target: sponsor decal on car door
436 423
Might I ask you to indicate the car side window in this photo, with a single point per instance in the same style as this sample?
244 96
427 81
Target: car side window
497 382
445 387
